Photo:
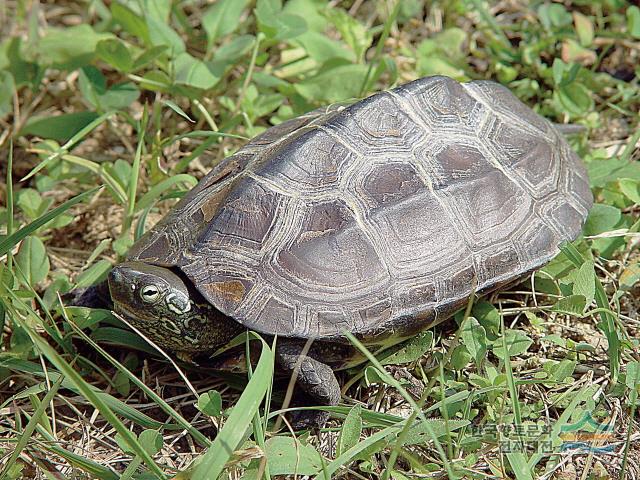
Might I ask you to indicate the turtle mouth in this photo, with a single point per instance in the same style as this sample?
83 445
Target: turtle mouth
131 314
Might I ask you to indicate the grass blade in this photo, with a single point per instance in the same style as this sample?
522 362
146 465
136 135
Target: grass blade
31 426
609 318
89 393
235 429
68 145
148 198
200 438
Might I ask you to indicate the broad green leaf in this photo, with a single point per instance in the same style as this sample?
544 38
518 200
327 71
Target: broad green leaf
561 265
330 86
553 15
633 21
573 305
602 218
7 87
575 98
573 52
460 357
60 127
488 316
24 72
310 10
195 73
222 18
210 403
289 456
448 44
235 49
148 56
159 10
517 343
31 203
560 371
632 379
275 24
411 350
121 384
601 171
474 337
130 21
151 441
156 81
32 260
353 33
93 86
162 34
372 376
584 28
630 276
322 48
351 430
584 282
631 188
419 434
115 53
70 47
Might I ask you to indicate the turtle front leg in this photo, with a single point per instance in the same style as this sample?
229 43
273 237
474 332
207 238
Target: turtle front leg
315 378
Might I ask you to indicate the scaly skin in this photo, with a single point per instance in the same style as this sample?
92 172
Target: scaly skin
159 303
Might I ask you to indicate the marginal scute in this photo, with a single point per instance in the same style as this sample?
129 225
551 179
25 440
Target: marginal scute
282 314
501 99
228 291
496 263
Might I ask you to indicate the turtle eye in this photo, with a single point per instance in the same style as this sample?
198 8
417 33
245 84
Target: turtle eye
150 293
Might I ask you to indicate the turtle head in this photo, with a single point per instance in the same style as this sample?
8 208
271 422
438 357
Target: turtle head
160 304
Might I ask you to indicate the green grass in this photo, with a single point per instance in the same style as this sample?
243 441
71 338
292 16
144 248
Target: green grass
107 115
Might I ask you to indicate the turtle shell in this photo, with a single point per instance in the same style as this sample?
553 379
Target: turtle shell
379 218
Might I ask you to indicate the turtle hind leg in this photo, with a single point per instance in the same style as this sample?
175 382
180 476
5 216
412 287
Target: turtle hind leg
315 379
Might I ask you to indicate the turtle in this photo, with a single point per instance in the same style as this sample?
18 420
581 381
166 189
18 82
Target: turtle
379 218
